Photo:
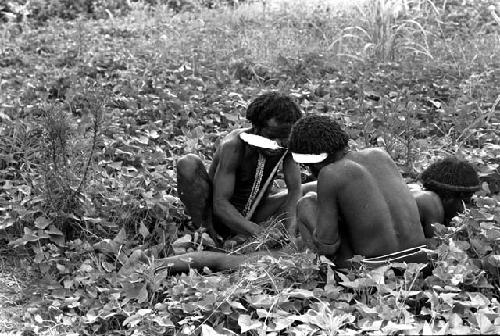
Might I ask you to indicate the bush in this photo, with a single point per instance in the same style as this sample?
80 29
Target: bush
43 10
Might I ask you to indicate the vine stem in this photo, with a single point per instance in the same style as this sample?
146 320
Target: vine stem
92 149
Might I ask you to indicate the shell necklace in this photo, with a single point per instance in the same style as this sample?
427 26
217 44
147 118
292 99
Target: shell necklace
259 172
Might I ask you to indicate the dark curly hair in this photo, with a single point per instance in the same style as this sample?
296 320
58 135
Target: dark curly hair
316 134
273 105
451 178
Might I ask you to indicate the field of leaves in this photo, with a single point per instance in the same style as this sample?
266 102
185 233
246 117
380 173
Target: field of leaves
94 114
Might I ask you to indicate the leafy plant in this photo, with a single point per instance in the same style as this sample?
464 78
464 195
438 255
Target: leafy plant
93 118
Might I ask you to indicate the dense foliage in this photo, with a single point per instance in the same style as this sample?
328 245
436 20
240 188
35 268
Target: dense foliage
39 11
93 115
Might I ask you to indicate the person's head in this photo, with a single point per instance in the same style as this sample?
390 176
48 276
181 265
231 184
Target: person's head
272 115
317 140
454 181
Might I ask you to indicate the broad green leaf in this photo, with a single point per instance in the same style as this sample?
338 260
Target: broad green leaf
121 237
280 324
108 267
300 293
207 330
236 305
246 323
142 140
261 301
115 165
91 316
106 246
144 312
143 230
483 323
369 325
61 268
184 241
24 240
54 231
132 321
86 268
6 223
136 291
494 260
42 222
163 321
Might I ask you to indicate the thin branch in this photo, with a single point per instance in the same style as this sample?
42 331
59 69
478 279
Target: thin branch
92 149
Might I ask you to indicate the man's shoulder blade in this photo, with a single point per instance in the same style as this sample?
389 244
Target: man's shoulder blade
341 171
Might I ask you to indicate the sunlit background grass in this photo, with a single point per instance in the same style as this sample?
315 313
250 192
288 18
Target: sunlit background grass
265 32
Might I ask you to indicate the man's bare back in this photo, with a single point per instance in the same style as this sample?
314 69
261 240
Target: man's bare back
372 200
362 205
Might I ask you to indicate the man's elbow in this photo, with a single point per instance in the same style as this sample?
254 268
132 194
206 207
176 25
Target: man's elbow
219 206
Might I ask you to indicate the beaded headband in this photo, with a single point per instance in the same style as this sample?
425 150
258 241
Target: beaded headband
451 187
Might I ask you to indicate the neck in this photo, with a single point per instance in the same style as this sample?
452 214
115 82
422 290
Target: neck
337 156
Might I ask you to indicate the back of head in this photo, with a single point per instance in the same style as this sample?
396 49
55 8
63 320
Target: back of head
273 105
316 134
451 178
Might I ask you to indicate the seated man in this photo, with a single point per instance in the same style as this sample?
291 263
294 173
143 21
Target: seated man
234 195
362 205
448 185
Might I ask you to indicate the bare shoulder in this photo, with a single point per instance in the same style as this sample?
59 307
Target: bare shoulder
233 136
427 199
229 151
341 172
344 166
375 152
430 206
232 141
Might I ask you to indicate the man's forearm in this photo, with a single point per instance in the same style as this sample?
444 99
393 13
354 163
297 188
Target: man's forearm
231 217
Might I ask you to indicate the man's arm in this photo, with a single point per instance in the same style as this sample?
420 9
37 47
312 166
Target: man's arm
426 223
291 172
430 210
327 235
224 188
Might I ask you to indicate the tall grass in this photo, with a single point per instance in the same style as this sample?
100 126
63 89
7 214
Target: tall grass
388 30
263 31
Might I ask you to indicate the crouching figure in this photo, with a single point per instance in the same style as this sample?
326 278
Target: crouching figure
362 205
448 187
233 196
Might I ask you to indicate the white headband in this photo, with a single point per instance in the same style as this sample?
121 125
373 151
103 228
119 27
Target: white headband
259 141
309 158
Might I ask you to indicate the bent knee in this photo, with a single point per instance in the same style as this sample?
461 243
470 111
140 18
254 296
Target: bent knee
308 199
307 205
188 165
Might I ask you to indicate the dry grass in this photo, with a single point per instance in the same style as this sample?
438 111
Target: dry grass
15 279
